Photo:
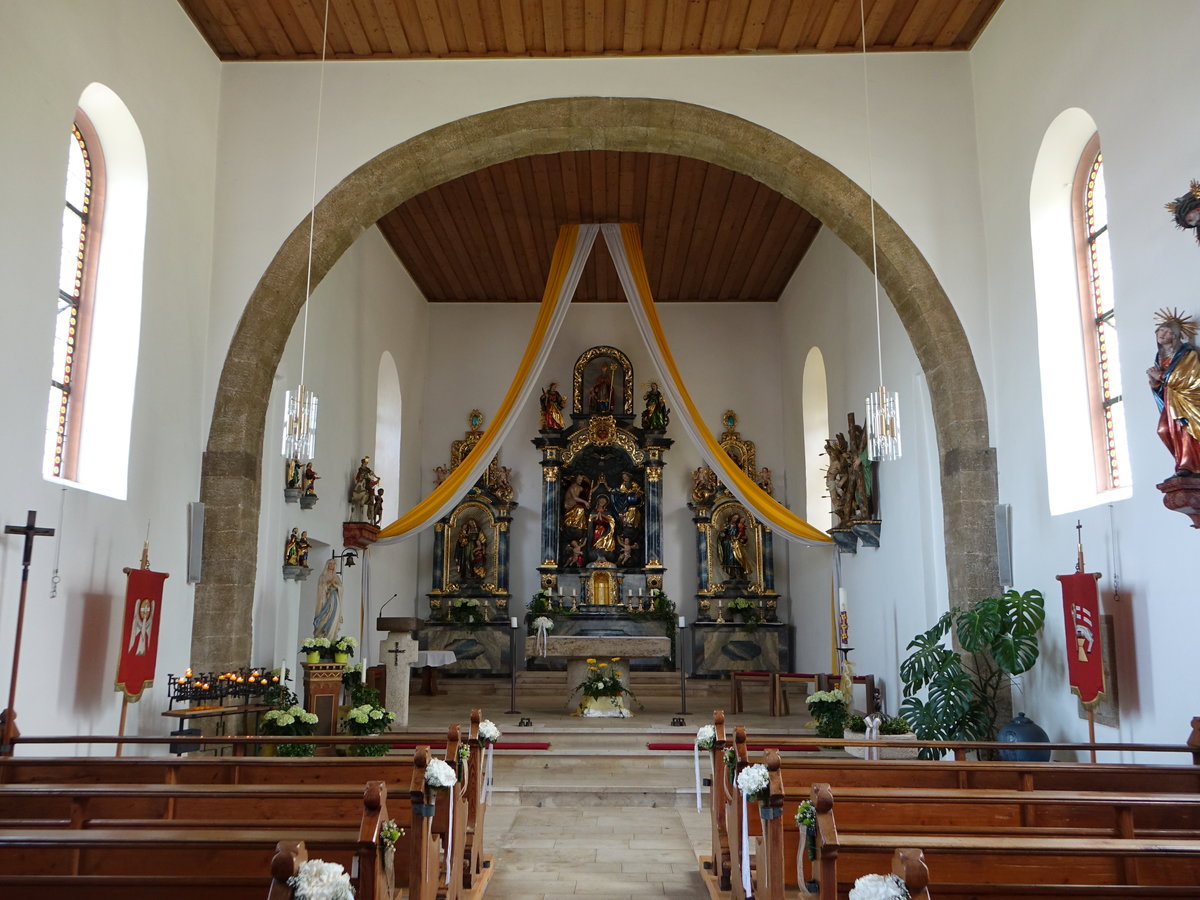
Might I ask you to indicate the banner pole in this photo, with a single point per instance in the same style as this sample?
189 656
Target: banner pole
121 726
1092 731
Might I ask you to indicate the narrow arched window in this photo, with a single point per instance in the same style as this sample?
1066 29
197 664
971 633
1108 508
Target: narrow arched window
1099 319
815 403
81 220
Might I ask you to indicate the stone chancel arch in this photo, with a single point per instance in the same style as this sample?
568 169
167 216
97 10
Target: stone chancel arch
230 475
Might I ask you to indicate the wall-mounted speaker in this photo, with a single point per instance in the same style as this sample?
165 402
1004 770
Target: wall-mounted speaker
1004 543
195 547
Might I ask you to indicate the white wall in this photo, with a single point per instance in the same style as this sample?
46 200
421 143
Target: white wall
897 590
150 55
1119 63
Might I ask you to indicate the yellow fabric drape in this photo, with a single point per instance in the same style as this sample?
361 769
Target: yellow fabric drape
571 251
625 247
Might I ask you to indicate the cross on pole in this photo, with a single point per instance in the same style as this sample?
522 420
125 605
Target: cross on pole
8 717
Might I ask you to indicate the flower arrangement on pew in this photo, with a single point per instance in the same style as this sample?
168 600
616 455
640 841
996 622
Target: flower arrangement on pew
488 732
706 737
806 821
320 880
755 782
439 776
879 887
829 709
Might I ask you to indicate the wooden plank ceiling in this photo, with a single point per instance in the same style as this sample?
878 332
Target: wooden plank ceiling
422 29
708 233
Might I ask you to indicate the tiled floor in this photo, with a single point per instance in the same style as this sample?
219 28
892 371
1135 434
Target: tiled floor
614 853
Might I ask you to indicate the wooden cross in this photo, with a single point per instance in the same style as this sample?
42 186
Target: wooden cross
9 733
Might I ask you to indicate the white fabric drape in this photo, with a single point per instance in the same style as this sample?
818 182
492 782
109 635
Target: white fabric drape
746 885
571 254
624 246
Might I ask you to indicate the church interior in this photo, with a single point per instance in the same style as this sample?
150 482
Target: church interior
368 201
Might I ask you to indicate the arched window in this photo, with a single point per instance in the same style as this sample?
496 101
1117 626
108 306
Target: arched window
99 299
388 408
1099 318
82 217
814 396
1082 414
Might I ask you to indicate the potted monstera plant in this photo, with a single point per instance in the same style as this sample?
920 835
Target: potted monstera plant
1000 634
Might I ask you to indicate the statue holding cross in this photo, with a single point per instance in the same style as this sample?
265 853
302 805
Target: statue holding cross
9 716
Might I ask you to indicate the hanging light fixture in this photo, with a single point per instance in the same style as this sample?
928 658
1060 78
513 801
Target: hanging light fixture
300 405
883 406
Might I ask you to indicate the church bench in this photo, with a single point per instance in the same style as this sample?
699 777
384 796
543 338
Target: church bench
197 853
185 805
964 852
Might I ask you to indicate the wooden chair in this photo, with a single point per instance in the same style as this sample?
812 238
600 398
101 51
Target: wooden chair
738 679
783 679
826 682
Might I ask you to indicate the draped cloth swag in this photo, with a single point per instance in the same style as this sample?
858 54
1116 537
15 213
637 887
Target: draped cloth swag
625 247
570 254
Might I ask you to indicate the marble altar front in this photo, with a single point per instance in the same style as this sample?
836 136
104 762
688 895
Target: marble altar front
578 650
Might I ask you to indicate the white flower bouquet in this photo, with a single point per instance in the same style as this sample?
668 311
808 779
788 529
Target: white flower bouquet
320 880
706 737
879 887
488 732
543 623
438 775
755 782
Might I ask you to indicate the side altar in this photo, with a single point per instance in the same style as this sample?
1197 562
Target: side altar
602 560
469 602
737 626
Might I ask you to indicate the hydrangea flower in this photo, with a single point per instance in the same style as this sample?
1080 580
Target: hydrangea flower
439 775
488 732
706 737
320 880
754 780
879 887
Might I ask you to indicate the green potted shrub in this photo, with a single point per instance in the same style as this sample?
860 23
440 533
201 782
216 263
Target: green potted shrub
1001 634
892 729
829 709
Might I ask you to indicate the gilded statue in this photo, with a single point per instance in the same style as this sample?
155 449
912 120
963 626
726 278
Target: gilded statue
470 553
656 415
734 556
575 502
628 501
552 408
1175 382
603 529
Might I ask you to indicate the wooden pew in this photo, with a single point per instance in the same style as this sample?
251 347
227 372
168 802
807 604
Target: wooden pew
718 789
172 861
285 864
1021 864
422 847
478 864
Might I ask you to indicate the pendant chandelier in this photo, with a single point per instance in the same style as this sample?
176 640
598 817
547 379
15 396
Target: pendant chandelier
883 406
300 405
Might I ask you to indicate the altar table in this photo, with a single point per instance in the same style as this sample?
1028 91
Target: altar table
429 661
577 650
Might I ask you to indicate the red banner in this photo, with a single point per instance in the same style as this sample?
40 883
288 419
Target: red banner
1081 613
139 632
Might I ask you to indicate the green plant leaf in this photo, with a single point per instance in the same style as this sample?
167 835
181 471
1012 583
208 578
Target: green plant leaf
951 695
978 625
1025 613
1015 653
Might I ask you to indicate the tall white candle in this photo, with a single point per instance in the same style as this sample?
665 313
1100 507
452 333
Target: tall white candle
682 622
841 599
513 622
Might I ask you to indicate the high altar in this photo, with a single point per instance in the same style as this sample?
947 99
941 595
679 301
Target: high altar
601 538
468 605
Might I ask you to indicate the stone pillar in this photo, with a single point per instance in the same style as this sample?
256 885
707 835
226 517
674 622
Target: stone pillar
398 653
551 511
439 555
